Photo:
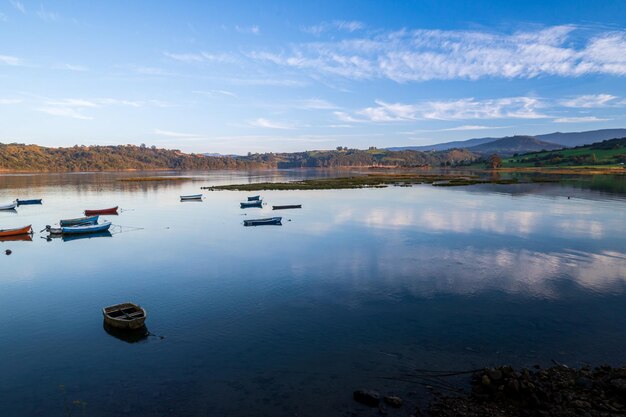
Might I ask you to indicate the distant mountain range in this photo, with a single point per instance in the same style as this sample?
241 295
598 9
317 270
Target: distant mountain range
520 144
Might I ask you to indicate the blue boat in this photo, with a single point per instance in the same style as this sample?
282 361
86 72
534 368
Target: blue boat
254 198
27 202
258 203
79 230
80 221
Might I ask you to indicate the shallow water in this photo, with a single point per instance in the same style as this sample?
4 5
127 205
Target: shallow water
288 320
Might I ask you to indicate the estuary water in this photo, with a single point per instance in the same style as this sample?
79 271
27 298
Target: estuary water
289 320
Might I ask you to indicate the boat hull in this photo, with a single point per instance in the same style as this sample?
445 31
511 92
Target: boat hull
287 207
9 206
272 221
125 316
191 197
16 232
79 230
28 202
80 221
252 204
112 210
254 198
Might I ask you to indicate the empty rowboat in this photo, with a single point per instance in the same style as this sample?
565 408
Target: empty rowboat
80 221
27 202
79 230
254 198
275 221
252 204
124 316
16 232
9 206
112 210
191 197
286 207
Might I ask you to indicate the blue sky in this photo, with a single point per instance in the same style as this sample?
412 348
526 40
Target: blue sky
233 77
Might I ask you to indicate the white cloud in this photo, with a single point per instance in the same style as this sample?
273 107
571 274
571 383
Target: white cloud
421 55
471 127
18 5
172 134
64 112
463 109
10 100
315 104
71 67
589 101
215 93
338 25
261 122
199 57
47 15
254 29
585 119
10 60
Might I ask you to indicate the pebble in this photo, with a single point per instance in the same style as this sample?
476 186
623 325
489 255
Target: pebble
367 397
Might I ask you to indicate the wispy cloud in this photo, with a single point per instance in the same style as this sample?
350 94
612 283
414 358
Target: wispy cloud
315 104
585 119
71 67
336 25
18 5
47 15
471 127
421 55
65 112
463 109
589 101
10 60
10 100
216 93
254 29
269 124
199 57
180 135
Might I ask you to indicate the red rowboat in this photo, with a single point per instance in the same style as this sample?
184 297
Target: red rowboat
112 210
15 232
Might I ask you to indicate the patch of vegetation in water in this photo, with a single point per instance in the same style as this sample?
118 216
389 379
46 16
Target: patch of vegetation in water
146 179
365 181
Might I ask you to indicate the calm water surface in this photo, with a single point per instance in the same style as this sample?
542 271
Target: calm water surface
289 320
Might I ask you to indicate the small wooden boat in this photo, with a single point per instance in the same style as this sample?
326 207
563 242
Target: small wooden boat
81 229
263 222
9 206
16 232
80 221
286 207
112 210
27 202
124 316
191 197
247 204
254 198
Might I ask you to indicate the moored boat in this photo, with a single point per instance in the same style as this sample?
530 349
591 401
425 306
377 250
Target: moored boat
264 222
80 221
286 207
247 204
254 198
16 232
191 197
124 316
112 210
80 229
27 202
9 206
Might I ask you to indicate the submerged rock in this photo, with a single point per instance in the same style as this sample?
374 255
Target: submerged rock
367 397
393 401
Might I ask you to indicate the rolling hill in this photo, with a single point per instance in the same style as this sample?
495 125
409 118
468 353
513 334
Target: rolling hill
514 145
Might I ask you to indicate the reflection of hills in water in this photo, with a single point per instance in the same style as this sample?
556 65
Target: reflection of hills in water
18 238
128 336
69 238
